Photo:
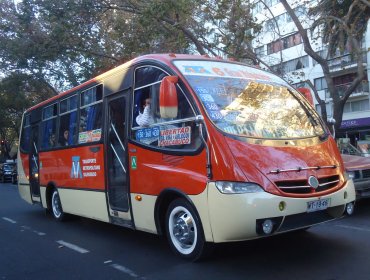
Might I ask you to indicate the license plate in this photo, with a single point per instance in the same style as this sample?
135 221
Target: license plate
318 205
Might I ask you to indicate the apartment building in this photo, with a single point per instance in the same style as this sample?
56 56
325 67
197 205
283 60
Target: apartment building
280 46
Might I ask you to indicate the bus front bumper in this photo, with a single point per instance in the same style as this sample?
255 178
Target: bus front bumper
237 217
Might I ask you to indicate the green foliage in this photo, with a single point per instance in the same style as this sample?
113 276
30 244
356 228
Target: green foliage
339 21
17 93
47 46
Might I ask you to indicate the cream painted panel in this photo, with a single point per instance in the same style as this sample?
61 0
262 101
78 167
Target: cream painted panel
233 217
88 204
201 203
43 196
24 192
143 212
23 183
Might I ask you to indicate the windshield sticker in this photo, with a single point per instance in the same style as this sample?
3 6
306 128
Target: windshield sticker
215 115
226 70
89 136
211 106
147 135
175 136
206 97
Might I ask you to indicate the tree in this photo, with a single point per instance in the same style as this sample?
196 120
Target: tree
341 23
46 46
17 93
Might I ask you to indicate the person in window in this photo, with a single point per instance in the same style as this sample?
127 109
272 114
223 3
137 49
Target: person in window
52 140
64 141
145 117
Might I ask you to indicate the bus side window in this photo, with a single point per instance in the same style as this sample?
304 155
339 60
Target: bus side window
68 121
90 129
49 126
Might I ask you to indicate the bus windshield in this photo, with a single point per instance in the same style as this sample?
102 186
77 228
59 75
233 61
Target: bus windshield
249 102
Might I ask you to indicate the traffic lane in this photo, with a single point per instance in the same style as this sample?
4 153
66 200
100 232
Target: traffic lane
335 250
27 253
324 252
108 242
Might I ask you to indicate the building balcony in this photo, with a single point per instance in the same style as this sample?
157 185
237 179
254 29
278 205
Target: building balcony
361 90
345 62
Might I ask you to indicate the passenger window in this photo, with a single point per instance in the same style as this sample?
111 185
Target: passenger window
91 115
68 121
149 128
48 127
26 134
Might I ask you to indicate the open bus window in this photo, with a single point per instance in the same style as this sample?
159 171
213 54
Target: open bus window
68 121
148 126
26 134
49 127
90 129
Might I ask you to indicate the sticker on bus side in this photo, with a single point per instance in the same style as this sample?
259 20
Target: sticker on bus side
175 136
89 136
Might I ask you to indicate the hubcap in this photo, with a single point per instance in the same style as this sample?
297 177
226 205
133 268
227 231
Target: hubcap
183 230
56 205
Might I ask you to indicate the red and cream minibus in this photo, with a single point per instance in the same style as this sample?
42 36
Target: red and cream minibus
227 152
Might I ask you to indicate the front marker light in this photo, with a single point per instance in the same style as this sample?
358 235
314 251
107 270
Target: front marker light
237 187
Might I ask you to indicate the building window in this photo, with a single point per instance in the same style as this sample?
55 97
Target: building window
320 84
296 64
270 25
257 8
270 3
284 43
260 51
356 106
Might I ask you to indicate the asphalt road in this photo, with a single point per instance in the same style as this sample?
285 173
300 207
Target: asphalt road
34 246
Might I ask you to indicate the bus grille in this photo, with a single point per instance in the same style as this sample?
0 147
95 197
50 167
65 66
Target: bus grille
302 186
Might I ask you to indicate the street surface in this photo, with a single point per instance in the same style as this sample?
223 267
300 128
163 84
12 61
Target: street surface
34 246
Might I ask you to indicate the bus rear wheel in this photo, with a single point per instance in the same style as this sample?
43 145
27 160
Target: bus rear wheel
184 230
56 206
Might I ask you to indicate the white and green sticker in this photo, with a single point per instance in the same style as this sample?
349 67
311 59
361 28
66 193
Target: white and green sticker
133 162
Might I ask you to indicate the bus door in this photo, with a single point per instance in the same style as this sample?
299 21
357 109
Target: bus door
34 163
116 159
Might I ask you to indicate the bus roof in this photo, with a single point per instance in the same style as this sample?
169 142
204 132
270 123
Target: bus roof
165 58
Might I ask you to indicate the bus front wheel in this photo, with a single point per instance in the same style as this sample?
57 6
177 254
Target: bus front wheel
56 206
184 230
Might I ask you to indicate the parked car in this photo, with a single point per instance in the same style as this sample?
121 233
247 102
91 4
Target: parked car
6 171
358 168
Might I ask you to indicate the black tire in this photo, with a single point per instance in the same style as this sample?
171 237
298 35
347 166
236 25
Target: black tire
56 206
184 231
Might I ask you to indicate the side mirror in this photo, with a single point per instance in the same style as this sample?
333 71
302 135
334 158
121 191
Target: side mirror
168 103
306 93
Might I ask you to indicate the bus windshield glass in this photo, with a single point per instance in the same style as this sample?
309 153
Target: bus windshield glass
249 102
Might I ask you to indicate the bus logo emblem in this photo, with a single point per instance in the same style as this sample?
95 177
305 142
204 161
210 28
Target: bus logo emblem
76 168
313 182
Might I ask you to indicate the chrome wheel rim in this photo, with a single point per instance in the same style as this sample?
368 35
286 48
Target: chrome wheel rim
55 202
183 230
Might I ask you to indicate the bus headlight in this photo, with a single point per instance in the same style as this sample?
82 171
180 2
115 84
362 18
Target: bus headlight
237 187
